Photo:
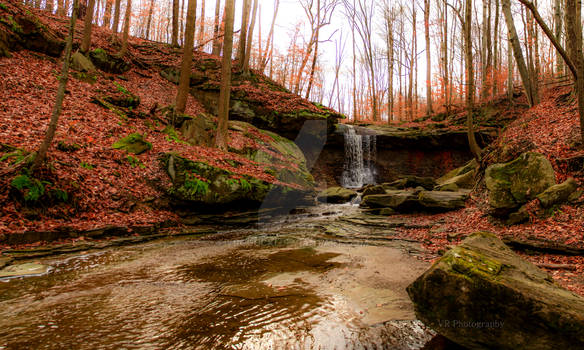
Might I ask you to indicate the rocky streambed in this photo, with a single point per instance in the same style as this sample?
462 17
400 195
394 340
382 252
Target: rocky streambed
324 279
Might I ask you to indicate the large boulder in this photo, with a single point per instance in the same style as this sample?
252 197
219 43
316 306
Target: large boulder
515 183
455 183
399 200
557 194
336 195
200 185
81 63
483 296
405 201
107 62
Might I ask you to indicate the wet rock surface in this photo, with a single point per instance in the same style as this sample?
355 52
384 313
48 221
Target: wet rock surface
287 284
484 296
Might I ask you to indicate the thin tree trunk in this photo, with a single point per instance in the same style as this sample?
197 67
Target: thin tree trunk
243 33
354 69
126 34
474 148
517 52
250 39
149 23
202 24
116 23
428 57
175 22
509 69
221 140
216 42
63 78
187 59
495 70
315 57
86 43
390 40
270 43
107 16
574 41
558 32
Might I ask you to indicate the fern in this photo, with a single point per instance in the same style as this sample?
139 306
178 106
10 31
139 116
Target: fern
246 186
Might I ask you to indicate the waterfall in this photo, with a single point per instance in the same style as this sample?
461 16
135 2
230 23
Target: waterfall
360 157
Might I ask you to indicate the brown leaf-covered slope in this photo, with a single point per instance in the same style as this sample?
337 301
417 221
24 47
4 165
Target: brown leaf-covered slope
105 186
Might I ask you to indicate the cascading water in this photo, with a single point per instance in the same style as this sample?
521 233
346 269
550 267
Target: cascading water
360 156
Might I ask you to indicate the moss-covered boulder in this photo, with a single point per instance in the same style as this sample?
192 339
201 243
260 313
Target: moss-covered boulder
373 189
122 97
557 194
81 63
133 143
483 296
108 63
455 183
470 166
336 195
280 156
515 183
204 186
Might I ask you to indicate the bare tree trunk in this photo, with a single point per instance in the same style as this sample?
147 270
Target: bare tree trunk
107 16
202 24
389 19
474 147
86 43
354 68
558 32
49 5
495 69
216 43
116 23
63 78
149 23
175 23
574 41
187 59
428 58
221 140
243 34
270 41
509 69
315 57
126 34
250 39
517 52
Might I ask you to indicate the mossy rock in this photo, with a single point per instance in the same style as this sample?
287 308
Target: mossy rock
558 194
482 295
107 62
470 166
133 143
210 187
515 183
373 189
123 98
81 63
337 195
465 180
412 181
173 75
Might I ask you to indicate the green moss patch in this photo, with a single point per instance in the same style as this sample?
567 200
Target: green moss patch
133 143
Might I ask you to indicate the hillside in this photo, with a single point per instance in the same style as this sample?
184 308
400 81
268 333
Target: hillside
108 186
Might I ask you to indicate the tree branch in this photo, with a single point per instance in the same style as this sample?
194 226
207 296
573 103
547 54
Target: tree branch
529 5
